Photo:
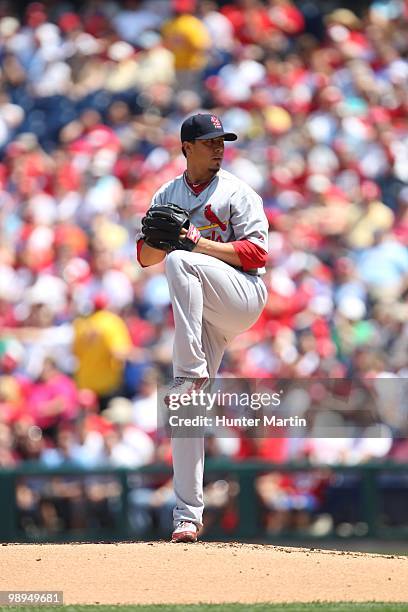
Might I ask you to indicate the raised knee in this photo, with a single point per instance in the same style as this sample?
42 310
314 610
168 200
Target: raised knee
175 260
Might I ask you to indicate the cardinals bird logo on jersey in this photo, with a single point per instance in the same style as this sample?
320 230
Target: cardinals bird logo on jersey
212 217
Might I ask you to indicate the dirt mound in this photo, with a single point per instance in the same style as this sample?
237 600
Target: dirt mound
160 572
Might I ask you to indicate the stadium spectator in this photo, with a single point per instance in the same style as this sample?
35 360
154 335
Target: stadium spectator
101 345
53 398
189 40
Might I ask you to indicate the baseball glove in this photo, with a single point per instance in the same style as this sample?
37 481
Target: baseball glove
162 225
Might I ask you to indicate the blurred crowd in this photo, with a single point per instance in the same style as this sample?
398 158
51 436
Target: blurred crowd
92 97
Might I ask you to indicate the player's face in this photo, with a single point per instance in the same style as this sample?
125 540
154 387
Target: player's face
210 153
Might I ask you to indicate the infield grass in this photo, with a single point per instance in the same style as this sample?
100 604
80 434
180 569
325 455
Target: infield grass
233 607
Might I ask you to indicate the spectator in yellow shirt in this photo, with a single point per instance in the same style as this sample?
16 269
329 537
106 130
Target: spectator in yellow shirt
189 40
101 345
367 217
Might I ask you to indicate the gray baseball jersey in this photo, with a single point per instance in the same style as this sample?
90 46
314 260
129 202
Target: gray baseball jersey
226 210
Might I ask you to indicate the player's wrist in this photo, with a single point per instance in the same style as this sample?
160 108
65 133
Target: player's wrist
202 245
193 236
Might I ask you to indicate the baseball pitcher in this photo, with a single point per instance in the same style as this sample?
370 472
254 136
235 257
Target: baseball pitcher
211 228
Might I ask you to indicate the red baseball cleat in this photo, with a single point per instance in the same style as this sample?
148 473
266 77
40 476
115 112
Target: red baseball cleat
185 532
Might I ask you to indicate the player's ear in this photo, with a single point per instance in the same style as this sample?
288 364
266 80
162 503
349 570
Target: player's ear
187 147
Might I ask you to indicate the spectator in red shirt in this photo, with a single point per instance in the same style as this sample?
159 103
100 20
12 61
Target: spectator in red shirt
53 397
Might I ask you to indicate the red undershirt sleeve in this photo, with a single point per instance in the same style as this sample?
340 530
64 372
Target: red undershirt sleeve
251 255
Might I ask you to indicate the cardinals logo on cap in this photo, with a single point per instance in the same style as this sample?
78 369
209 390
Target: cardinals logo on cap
216 122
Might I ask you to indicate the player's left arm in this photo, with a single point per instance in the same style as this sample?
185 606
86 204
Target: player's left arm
250 225
240 253
221 250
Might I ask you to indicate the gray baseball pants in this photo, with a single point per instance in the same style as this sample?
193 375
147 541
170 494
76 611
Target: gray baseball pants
212 303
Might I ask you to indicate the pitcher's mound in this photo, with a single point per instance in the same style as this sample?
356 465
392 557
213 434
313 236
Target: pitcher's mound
160 572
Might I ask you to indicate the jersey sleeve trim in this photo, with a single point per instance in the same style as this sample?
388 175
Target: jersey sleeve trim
250 254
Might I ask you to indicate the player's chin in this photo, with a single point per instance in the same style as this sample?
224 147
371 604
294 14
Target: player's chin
215 165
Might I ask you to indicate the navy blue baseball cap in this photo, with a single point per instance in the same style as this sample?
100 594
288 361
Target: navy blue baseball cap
204 127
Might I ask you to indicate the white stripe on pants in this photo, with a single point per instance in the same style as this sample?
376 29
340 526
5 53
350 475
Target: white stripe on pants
212 303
